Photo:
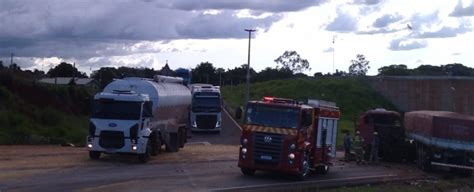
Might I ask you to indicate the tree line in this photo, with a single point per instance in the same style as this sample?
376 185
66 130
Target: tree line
289 65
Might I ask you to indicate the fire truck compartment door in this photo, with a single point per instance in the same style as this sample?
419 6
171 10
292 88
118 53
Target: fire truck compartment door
328 126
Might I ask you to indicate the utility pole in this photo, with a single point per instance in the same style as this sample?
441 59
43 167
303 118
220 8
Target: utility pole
11 59
333 53
247 94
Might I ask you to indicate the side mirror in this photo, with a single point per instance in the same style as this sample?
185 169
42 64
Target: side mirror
148 109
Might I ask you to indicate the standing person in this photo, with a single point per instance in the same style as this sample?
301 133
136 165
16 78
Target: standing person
347 146
358 146
374 151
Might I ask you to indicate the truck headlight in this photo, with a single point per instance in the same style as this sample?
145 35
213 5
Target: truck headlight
291 156
292 146
194 124
244 150
245 141
218 124
134 147
89 145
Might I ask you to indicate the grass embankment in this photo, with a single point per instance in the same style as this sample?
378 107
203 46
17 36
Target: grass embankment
352 96
31 113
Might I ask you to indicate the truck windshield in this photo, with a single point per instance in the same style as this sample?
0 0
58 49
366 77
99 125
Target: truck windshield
111 109
206 101
391 120
272 116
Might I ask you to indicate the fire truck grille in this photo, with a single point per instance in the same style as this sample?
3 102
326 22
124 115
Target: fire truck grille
206 121
267 148
111 139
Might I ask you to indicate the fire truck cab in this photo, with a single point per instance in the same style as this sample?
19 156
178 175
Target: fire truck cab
283 135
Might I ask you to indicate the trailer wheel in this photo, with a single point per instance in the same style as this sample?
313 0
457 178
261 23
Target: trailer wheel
173 145
423 158
143 158
248 172
304 168
94 155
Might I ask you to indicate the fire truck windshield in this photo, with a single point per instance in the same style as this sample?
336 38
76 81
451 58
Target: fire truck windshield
272 116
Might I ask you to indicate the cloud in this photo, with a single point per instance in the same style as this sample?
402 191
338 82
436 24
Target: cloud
328 50
87 28
444 32
377 31
367 2
274 6
460 11
419 21
456 54
386 20
405 44
343 22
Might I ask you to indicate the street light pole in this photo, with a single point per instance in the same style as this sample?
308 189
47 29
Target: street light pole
247 94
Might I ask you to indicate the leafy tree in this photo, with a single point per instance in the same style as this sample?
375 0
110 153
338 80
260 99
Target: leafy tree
339 73
291 60
429 70
273 74
105 75
239 75
359 67
457 69
204 73
318 74
65 70
1 64
394 70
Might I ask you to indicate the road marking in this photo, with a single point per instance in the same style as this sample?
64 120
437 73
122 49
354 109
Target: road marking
230 117
302 182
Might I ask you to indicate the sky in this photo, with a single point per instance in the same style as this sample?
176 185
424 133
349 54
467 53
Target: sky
184 33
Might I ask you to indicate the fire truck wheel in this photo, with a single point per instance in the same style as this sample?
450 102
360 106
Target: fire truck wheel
304 168
248 172
173 145
94 155
323 169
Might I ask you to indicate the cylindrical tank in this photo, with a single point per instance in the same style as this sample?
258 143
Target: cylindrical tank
161 94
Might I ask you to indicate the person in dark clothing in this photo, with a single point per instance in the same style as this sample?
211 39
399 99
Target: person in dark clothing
374 151
347 146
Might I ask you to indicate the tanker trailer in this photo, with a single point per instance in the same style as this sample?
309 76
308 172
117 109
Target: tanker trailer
138 116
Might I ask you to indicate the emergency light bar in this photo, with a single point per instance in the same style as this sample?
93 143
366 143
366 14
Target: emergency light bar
279 100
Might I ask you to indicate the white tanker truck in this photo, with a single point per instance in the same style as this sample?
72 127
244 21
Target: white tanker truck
138 116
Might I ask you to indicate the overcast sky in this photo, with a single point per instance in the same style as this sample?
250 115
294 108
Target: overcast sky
147 33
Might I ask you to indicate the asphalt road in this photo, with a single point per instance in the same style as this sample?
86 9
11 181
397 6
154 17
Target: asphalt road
229 134
208 163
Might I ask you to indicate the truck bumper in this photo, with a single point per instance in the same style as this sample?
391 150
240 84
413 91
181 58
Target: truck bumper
93 144
283 166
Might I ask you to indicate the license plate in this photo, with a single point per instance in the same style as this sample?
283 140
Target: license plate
266 157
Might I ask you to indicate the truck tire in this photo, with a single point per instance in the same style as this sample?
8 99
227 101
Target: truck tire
173 144
143 158
155 145
304 168
323 169
248 172
182 137
423 158
94 155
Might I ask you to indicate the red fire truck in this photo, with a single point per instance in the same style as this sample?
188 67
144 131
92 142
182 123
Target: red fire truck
286 136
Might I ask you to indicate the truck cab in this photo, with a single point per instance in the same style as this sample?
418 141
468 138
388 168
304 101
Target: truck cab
286 136
120 124
388 125
205 108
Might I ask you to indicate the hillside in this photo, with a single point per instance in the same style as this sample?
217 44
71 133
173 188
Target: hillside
31 113
352 96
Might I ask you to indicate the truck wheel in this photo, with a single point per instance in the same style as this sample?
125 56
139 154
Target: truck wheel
172 145
156 146
248 172
304 168
143 158
94 155
423 158
182 137
323 169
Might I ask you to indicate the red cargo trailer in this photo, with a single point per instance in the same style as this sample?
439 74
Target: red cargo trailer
443 139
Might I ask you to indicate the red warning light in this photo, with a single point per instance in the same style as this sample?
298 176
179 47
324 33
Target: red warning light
268 99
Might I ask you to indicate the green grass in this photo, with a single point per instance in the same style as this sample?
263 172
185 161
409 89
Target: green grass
352 95
25 122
